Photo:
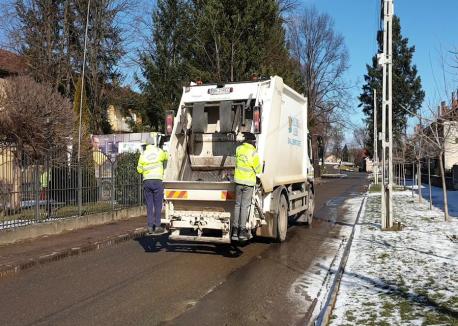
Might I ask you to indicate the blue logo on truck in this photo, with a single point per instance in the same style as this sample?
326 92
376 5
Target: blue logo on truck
293 130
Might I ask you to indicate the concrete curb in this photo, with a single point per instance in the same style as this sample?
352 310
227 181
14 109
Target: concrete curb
9 270
12 235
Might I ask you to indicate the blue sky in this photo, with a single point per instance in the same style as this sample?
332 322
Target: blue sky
432 26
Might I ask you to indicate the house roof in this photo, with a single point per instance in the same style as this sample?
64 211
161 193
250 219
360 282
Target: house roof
11 63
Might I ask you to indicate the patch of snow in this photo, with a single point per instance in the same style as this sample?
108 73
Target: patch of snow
400 278
437 197
17 223
316 282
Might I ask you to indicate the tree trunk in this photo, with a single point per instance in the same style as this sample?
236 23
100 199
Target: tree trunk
404 175
420 199
429 184
413 177
444 186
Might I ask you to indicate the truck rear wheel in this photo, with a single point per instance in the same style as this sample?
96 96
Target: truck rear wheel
282 219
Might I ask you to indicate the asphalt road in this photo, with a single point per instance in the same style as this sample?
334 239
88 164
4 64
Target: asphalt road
147 282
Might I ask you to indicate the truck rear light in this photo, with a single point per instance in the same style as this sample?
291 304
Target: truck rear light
227 195
257 120
169 122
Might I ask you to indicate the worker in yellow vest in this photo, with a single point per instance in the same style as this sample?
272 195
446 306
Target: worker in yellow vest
151 166
247 165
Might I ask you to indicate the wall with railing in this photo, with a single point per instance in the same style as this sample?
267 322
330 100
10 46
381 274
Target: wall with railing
57 186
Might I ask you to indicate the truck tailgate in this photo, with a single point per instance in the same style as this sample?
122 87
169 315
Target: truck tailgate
198 190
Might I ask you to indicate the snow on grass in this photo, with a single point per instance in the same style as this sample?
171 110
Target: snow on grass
315 283
408 277
17 223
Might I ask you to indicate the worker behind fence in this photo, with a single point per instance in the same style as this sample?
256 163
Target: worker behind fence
151 165
247 165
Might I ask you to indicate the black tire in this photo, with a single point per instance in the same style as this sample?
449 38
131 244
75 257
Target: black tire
282 219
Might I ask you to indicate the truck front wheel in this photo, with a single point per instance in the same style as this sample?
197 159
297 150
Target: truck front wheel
282 219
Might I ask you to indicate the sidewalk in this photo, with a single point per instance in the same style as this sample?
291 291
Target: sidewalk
22 255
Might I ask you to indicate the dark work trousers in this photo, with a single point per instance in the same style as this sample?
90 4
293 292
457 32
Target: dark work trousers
243 196
154 195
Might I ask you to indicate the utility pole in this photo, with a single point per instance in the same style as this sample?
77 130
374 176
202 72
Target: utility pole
385 59
375 139
80 176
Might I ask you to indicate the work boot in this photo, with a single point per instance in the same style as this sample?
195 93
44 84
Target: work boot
235 234
243 235
159 230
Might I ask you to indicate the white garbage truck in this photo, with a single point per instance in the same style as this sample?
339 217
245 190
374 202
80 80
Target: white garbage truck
204 133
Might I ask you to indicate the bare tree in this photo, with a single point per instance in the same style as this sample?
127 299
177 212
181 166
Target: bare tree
323 58
440 136
34 116
336 139
361 136
417 153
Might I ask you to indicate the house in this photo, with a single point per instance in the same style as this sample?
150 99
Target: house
120 122
11 64
121 111
447 128
444 129
450 117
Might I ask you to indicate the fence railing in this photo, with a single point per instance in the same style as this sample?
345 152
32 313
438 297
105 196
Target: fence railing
34 190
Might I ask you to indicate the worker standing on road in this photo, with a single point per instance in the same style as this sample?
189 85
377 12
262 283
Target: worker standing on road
247 165
151 165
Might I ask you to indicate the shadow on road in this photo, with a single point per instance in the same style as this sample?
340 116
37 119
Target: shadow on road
162 243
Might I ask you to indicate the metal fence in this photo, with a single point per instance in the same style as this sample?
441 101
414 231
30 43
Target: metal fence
55 186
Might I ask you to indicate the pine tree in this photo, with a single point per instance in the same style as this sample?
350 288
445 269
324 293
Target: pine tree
51 34
345 153
164 67
407 88
216 41
235 39
39 35
104 51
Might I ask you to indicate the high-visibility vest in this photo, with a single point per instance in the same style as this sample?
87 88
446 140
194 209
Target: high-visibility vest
151 163
247 165
44 179
98 157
